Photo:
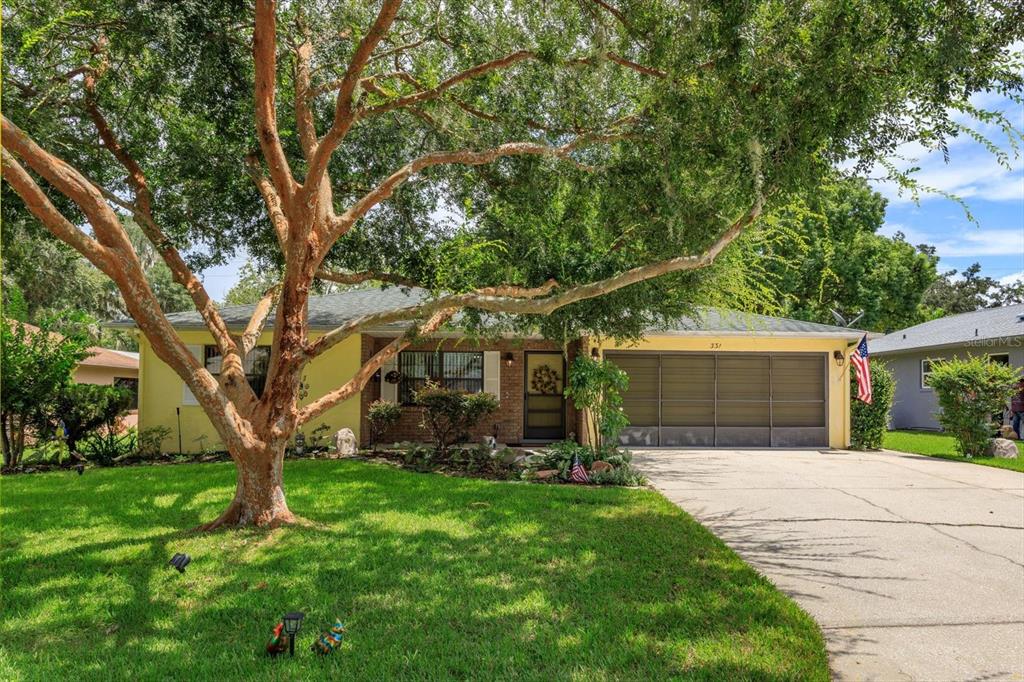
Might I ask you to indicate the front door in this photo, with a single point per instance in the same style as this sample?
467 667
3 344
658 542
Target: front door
544 396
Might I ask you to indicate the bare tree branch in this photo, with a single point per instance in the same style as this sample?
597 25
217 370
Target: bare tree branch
358 382
264 54
272 200
251 336
345 104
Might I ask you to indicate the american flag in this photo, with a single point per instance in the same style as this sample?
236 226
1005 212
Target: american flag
860 363
578 473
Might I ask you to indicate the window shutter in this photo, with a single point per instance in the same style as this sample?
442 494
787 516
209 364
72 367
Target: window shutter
186 395
388 391
492 373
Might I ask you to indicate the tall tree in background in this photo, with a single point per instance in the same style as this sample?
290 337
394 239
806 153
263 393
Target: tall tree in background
826 254
951 295
580 150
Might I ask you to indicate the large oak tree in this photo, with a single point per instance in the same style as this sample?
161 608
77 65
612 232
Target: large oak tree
515 159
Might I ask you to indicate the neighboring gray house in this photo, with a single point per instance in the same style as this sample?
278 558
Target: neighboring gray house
994 332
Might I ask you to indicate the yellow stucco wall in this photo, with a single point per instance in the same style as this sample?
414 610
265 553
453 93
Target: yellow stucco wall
161 392
839 377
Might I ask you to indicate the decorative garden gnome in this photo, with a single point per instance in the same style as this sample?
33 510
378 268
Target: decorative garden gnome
329 640
278 644
345 442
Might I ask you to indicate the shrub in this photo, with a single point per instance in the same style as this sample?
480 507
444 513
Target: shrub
560 455
150 441
970 391
620 475
596 386
449 415
108 445
382 415
85 408
868 422
420 457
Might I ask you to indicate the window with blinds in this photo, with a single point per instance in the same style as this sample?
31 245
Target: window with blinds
255 364
456 370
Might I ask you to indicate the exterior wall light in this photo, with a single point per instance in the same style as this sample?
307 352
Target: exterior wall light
595 354
509 358
839 357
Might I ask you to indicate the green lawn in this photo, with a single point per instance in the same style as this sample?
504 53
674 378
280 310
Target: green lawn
944 446
434 577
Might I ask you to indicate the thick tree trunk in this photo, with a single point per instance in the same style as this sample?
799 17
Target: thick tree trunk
259 491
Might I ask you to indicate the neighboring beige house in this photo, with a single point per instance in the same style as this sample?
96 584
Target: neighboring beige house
108 367
112 367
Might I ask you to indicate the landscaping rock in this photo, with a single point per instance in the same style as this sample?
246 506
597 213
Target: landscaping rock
601 465
545 474
1002 448
345 442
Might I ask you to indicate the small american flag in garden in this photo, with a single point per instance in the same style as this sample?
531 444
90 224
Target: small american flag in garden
578 474
860 363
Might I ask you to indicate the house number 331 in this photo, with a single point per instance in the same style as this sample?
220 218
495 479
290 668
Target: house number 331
715 345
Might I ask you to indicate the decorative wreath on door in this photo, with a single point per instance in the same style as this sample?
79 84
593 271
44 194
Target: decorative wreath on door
544 380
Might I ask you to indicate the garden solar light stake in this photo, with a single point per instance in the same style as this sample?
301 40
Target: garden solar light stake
180 561
292 624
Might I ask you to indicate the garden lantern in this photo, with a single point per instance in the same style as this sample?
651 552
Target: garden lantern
292 624
80 468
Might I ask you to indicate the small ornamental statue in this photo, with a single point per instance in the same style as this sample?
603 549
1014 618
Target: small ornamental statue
329 640
278 643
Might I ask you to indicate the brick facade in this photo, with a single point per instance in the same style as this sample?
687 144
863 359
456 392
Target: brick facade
508 420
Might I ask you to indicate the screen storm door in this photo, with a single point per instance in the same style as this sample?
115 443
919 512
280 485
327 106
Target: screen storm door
725 399
544 399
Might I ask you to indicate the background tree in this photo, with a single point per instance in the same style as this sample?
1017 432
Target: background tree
84 408
253 282
951 294
519 160
35 365
825 254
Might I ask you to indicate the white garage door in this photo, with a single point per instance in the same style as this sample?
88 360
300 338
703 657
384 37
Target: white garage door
725 399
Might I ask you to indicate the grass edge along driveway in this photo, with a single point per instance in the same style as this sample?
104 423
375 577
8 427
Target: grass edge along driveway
943 445
435 577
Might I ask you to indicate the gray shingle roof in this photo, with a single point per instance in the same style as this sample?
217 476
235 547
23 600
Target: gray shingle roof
987 323
327 312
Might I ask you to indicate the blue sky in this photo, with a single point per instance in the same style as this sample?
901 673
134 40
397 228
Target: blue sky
994 194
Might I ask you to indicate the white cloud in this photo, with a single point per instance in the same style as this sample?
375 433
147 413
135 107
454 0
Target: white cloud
970 242
1012 279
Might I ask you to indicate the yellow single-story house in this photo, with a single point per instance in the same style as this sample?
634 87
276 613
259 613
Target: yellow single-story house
717 379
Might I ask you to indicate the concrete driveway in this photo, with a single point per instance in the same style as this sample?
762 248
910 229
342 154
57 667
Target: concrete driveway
913 566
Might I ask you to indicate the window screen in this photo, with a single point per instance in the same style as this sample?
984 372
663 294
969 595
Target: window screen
255 364
456 370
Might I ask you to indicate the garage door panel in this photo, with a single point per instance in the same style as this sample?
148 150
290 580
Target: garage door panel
641 412
743 437
798 378
735 413
688 377
688 436
643 374
743 377
798 414
688 414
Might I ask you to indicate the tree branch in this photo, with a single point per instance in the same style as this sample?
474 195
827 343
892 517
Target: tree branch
345 104
271 199
529 301
143 209
251 336
264 54
365 276
359 381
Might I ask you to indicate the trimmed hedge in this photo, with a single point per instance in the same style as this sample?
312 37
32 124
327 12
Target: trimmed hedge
869 422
